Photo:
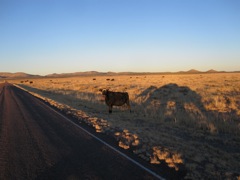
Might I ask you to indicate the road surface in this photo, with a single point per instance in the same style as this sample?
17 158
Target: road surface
36 142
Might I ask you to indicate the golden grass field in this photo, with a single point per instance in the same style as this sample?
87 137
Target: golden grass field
180 119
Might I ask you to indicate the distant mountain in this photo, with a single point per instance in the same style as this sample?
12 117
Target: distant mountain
95 73
194 71
211 71
87 73
214 71
7 75
191 71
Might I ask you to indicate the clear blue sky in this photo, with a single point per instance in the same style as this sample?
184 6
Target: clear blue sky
60 36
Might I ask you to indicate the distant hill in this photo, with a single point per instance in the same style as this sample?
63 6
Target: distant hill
96 73
87 73
7 75
214 71
211 71
193 71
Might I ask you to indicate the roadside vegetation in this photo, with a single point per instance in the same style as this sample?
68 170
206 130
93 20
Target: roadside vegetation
190 120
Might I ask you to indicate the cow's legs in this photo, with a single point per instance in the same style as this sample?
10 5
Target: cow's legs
129 107
110 109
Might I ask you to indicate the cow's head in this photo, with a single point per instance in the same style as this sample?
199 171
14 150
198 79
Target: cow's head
104 91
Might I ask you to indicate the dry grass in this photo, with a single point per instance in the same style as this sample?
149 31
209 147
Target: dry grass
180 119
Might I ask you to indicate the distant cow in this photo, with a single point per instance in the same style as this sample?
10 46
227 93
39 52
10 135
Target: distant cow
115 99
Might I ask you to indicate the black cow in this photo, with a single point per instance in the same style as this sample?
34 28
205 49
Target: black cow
115 99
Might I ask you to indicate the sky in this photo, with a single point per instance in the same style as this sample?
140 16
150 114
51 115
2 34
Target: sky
62 36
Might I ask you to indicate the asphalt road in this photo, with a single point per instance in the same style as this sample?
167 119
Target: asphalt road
36 142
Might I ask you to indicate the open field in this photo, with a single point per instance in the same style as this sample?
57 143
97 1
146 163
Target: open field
191 120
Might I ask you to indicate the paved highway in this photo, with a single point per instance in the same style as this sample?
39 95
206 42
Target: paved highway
36 142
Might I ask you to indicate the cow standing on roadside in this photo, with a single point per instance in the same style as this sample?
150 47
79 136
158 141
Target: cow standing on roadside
115 99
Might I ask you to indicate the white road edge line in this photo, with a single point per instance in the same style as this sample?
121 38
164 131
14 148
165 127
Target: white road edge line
105 143
111 147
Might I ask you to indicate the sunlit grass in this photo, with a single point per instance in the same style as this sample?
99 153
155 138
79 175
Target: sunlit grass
189 119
